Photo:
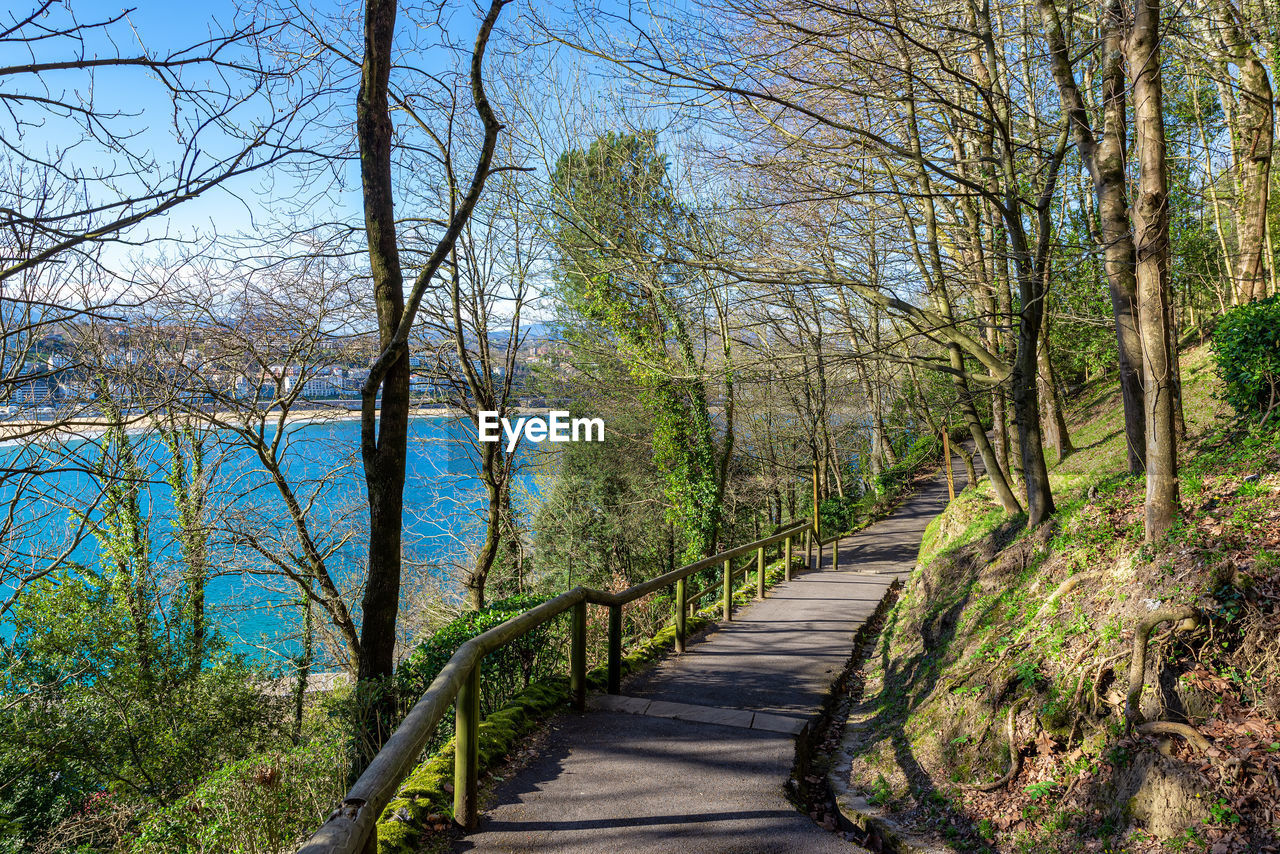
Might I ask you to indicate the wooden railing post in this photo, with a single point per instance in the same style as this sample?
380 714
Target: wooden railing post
835 552
946 454
681 614
578 657
808 551
786 562
615 649
466 757
760 573
728 590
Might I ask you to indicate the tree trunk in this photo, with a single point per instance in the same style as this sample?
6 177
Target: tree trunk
1252 136
1000 435
384 426
479 575
1105 162
305 661
384 434
1151 231
970 472
1027 412
1058 435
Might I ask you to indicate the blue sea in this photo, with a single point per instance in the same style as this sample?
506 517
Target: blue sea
257 610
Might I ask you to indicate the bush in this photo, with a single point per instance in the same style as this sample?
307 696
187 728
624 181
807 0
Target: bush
837 515
1246 350
505 673
261 805
924 450
93 708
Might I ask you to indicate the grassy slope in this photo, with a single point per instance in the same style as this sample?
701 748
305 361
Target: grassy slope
973 637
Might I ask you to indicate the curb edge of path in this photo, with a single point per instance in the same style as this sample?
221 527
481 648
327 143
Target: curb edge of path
879 831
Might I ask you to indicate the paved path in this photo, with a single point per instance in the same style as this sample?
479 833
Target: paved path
693 758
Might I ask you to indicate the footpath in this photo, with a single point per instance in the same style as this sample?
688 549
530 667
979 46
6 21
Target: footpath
693 756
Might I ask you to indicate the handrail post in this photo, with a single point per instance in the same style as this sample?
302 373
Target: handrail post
760 573
728 590
946 453
615 649
835 552
808 551
787 562
466 757
680 614
578 657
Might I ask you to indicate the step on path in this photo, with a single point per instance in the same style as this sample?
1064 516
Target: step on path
693 757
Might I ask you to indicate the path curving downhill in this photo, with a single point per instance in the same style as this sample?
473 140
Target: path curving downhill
693 757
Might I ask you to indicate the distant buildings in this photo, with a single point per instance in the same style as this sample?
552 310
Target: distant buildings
140 369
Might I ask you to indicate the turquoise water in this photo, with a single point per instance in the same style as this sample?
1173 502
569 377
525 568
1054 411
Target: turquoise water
259 611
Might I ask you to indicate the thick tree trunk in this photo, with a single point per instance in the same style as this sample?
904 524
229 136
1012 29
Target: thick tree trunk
384 449
1026 407
1117 235
1151 231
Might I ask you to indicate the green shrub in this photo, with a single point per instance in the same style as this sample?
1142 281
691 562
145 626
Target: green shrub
924 450
1246 350
260 805
506 671
837 515
92 710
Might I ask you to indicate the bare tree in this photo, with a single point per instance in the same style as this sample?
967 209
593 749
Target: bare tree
385 401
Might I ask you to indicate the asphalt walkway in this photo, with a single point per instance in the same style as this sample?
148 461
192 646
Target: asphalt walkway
692 758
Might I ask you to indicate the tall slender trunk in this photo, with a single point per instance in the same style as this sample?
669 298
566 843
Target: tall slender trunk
1151 232
1030 270
964 395
479 576
384 398
1105 162
1057 433
384 439
1252 139
304 661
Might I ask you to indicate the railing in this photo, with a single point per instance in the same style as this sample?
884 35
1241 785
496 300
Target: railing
352 829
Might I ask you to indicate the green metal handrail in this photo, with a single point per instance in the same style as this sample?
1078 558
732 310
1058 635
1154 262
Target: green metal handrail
352 827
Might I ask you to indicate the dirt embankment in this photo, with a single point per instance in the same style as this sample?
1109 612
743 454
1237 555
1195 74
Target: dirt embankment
1070 689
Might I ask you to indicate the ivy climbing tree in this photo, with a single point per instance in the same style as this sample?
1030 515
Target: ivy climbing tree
619 232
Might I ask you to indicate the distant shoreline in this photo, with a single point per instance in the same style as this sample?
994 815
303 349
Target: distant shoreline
71 428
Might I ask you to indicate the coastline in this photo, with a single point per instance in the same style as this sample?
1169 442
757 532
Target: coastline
62 427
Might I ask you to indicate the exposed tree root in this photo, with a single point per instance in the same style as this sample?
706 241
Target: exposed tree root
1015 753
1191 734
1188 618
1062 590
